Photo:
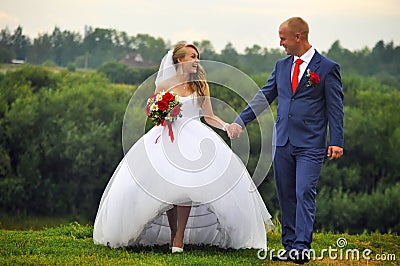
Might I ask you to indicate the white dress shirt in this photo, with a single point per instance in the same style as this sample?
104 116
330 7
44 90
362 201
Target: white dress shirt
306 60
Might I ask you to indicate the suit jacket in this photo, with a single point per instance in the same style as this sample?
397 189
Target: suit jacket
302 117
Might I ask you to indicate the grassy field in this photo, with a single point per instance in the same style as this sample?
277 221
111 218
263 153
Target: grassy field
72 244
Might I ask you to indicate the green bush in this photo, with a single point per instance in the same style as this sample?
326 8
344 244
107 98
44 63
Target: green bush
63 144
120 73
340 211
71 67
49 63
32 76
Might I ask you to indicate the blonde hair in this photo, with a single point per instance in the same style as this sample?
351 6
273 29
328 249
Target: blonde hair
297 25
197 81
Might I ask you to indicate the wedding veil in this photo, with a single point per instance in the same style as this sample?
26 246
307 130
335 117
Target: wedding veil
167 68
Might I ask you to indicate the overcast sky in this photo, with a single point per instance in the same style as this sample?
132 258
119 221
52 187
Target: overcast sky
355 23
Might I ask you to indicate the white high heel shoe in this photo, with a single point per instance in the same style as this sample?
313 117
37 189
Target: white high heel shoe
176 250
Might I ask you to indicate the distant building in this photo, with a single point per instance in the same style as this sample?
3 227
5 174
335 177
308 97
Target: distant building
17 61
135 60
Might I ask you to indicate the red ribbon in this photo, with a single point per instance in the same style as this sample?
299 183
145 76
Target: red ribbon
170 132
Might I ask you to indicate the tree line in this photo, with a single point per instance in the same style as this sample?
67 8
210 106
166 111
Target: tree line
99 46
61 141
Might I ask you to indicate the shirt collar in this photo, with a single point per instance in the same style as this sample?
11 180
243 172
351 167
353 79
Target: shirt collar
306 57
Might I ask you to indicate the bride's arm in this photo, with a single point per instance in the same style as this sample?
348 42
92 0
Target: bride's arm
208 113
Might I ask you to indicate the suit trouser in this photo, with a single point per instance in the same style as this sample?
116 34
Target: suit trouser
296 172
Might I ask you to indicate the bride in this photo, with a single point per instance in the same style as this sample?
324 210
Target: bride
191 190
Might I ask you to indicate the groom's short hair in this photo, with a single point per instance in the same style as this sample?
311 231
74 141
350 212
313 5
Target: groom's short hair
297 25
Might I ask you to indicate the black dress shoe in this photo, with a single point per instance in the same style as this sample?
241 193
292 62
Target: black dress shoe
283 256
301 257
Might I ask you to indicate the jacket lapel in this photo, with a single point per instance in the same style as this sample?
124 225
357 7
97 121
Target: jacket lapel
313 66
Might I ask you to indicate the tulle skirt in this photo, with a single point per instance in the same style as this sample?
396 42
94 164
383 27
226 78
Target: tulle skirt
194 168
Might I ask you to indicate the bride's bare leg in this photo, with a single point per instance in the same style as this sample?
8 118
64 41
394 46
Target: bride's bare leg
183 215
172 215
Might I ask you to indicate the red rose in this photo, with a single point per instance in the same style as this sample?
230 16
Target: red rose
175 111
162 105
168 97
147 110
314 78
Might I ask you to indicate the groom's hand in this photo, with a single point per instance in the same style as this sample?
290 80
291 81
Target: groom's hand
334 152
234 130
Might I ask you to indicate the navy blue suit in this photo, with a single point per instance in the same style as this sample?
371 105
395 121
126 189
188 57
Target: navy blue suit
300 137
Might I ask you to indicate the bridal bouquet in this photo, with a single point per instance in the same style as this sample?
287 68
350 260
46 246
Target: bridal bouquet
163 108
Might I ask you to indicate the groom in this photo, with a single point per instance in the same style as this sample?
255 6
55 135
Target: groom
310 99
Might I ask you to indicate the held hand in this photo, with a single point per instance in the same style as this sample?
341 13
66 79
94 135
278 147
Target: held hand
334 152
234 130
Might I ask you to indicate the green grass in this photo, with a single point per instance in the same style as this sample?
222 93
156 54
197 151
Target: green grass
24 222
72 244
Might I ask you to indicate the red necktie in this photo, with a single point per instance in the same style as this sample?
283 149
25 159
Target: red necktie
296 71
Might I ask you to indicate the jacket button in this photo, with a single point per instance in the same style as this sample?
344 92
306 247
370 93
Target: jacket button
290 115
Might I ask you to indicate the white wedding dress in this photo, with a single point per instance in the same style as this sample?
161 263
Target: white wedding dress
197 168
